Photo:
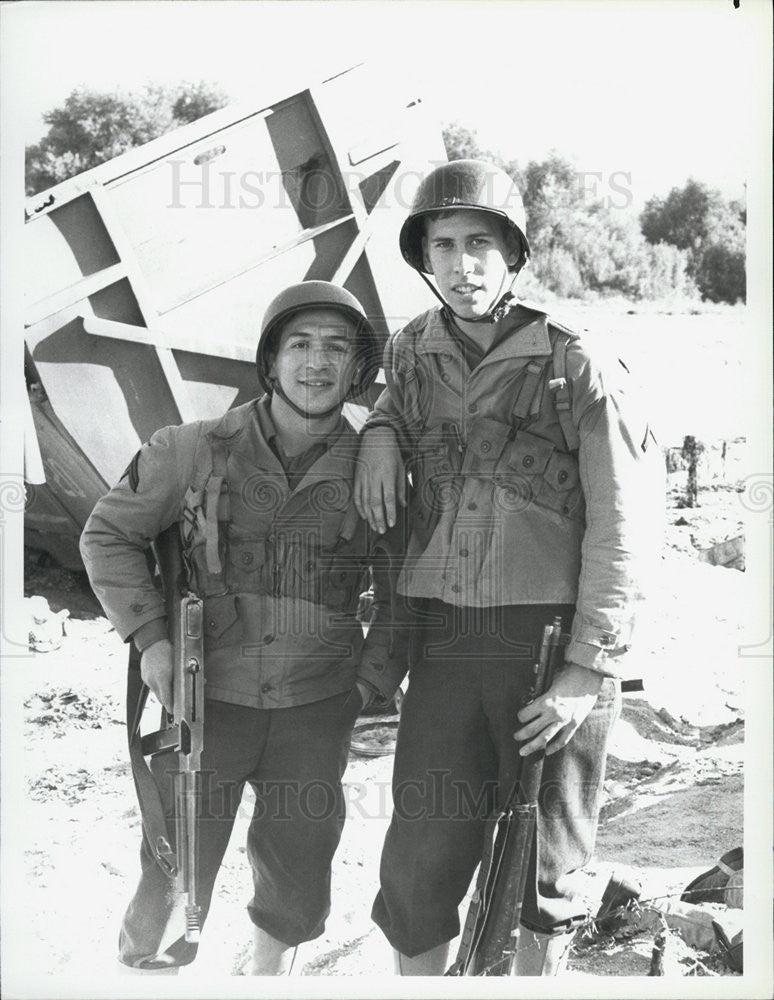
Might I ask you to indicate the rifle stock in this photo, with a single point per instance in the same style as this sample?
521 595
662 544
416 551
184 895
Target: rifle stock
490 936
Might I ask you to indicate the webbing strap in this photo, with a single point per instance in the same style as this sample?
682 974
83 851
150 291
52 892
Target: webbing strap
218 506
528 398
560 389
154 822
212 491
220 468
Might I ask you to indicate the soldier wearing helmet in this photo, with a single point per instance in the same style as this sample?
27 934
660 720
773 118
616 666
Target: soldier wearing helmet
533 486
484 204
274 546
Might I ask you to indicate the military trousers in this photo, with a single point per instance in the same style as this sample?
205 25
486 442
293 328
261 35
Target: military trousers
294 759
456 760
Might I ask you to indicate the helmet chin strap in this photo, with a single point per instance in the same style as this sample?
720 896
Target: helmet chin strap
493 314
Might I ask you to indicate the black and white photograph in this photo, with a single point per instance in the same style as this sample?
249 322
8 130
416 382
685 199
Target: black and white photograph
386 498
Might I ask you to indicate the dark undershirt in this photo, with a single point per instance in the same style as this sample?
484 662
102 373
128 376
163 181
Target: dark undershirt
296 466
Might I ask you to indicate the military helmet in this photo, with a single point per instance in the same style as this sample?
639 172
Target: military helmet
469 184
320 295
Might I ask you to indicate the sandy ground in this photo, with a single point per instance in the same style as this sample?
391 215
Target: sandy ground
673 794
673 790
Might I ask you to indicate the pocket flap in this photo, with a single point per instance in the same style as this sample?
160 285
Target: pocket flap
243 554
220 614
486 438
562 472
528 454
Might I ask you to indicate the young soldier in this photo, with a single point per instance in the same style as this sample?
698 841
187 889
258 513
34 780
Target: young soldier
277 552
531 484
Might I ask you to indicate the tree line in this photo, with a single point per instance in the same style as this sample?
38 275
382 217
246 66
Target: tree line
689 243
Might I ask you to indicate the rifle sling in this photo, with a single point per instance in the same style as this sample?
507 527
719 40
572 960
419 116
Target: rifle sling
154 822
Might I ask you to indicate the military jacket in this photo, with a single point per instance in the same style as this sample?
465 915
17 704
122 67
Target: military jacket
280 570
504 508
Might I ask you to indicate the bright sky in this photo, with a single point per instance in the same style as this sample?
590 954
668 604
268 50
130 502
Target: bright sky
657 89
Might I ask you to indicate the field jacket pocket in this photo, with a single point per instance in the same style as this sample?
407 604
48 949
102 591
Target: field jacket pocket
434 474
486 440
222 626
561 490
542 474
246 559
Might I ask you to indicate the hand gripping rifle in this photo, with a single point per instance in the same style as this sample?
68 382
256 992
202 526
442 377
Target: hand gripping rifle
490 938
183 733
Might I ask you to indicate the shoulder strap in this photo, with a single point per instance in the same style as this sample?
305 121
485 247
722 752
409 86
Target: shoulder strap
560 390
218 505
528 398
154 823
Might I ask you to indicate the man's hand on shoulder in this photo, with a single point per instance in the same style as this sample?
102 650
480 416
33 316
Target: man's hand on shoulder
554 717
379 478
157 667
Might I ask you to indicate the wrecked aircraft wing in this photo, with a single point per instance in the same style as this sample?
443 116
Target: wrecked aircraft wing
148 275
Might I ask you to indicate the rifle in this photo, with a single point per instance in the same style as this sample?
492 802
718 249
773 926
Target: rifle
183 733
490 938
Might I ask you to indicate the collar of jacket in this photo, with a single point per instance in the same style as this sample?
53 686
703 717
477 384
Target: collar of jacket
233 429
528 339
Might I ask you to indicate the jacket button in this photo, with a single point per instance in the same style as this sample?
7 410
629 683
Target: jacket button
528 461
463 552
565 509
486 446
247 558
472 505
265 688
445 377
268 639
563 475
473 408
455 588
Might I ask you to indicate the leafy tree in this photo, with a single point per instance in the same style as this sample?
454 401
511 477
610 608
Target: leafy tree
92 127
462 143
722 276
683 218
699 220
583 245
579 246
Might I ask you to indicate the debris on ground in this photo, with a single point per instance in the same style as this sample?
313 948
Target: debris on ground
673 795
